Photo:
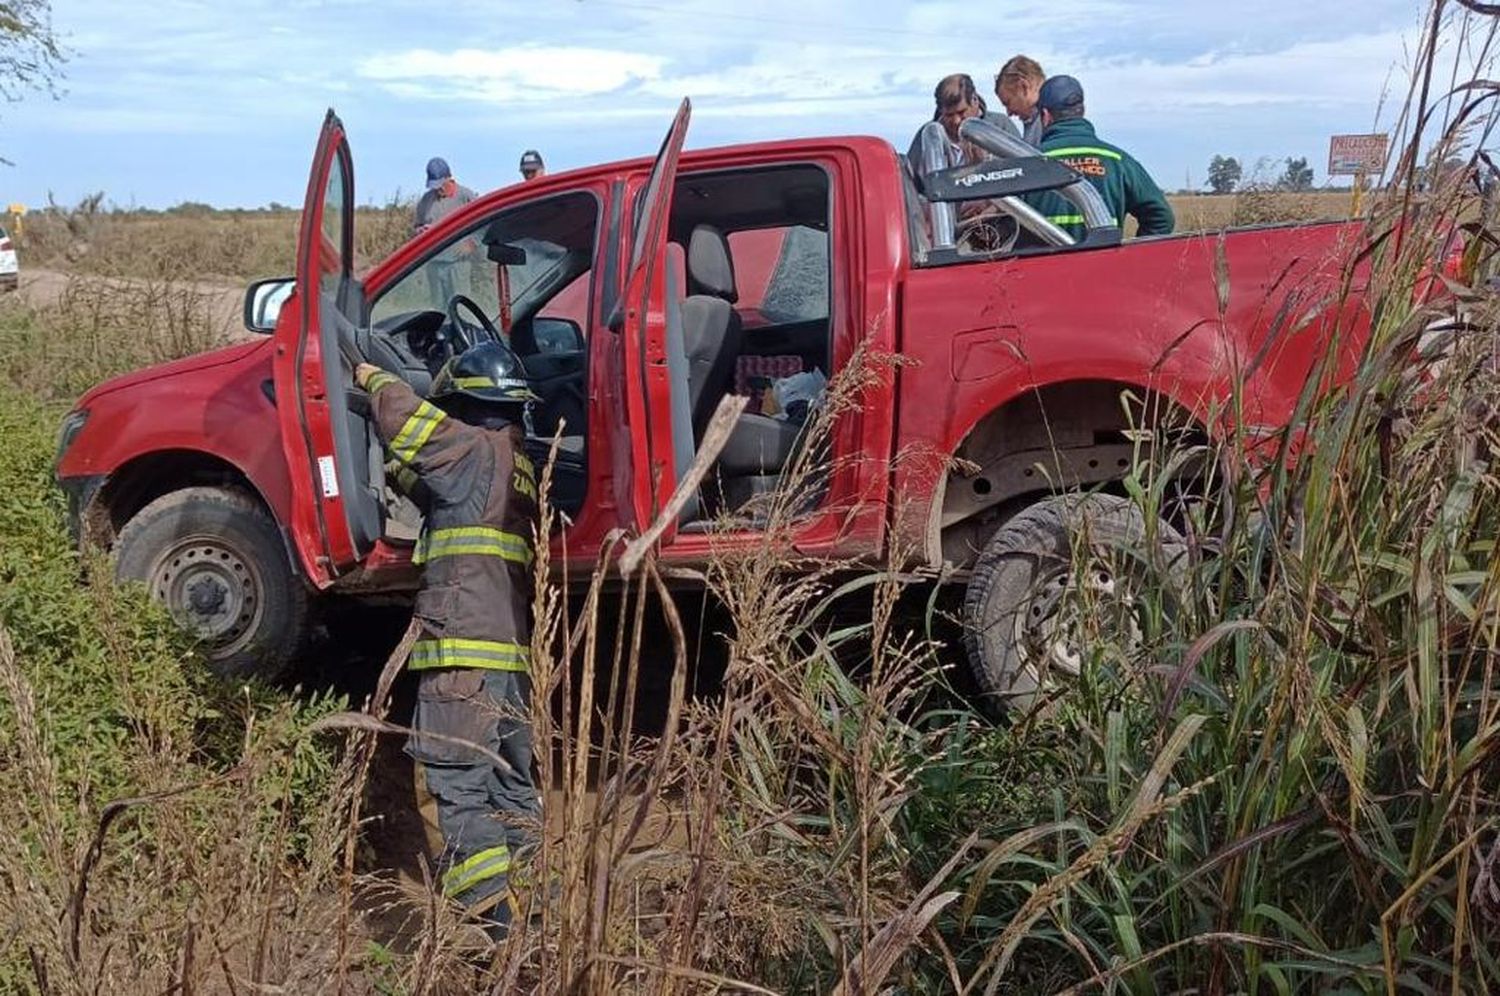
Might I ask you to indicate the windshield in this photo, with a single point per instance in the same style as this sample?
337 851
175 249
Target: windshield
460 267
541 267
554 235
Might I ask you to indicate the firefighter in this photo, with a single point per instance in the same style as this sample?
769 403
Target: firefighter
477 491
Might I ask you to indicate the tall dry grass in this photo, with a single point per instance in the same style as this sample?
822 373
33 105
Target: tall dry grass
99 327
196 244
160 828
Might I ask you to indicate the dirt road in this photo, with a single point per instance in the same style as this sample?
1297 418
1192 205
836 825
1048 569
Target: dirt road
224 303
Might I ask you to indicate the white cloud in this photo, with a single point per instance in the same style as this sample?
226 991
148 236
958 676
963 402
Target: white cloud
851 81
1345 71
516 74
591 80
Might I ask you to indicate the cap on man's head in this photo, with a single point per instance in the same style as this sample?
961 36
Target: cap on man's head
437 172
1060 93
531 159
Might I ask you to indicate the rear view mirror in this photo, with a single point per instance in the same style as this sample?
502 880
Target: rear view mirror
506 254
263 301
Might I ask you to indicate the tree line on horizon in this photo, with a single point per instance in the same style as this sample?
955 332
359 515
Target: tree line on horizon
1225 174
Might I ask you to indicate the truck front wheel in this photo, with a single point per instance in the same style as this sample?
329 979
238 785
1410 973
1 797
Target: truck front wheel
1064 572
214 558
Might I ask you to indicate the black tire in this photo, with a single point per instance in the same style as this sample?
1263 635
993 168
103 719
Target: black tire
1022 575
215 559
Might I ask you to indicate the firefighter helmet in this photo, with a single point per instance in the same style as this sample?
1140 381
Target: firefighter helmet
489 371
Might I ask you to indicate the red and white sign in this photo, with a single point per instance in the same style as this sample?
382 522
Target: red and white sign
1356 155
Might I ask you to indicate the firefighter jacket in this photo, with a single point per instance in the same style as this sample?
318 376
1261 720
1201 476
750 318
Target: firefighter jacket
478 497
1124 183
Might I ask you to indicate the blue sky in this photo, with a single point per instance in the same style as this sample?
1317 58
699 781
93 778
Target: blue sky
174 100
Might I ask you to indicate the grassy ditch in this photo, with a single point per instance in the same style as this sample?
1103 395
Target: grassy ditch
150 806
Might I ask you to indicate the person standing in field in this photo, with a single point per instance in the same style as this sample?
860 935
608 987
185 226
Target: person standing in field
1124 183
442 197
1017 85
471 732
532 165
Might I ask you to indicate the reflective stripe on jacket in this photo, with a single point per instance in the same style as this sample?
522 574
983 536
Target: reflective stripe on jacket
478 497
1123 183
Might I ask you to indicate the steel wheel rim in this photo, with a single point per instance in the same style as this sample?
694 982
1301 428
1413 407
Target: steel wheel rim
211 591
1047 637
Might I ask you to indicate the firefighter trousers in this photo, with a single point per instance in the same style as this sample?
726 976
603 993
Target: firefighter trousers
488 810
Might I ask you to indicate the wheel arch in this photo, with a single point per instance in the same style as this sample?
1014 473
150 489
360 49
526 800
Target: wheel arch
148 476
1056 437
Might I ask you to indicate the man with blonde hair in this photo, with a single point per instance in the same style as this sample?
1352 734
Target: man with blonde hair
1018 84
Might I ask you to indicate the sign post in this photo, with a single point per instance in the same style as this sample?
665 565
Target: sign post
1358 156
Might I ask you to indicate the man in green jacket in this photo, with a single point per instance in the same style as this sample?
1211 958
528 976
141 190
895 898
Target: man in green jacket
1124 183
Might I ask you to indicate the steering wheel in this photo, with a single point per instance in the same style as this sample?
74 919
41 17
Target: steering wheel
992 231
461 329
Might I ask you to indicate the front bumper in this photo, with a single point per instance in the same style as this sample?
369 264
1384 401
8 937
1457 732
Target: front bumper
80 492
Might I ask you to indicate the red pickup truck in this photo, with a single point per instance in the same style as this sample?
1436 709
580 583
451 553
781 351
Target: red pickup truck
242 483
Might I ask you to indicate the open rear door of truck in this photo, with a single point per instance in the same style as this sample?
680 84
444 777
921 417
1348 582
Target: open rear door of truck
332 454
648 451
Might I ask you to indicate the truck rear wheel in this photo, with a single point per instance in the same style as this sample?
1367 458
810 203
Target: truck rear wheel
1025 602
215 559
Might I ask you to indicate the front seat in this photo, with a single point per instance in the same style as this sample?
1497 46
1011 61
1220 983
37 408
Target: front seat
758 446
711 329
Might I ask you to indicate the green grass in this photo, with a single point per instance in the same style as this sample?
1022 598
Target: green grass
104 700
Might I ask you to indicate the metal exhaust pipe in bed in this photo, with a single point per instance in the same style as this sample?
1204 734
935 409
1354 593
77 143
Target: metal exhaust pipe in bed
932 148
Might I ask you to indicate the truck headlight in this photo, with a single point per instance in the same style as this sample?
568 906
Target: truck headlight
72 425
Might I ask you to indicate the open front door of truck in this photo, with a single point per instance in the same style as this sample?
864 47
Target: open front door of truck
331 451
647 455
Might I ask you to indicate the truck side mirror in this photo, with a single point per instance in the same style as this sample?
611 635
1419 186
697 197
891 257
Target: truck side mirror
557 335
263 301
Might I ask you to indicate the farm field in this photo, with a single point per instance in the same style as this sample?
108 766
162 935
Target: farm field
204 245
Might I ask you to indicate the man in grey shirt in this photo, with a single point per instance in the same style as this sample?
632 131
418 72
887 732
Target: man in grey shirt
442 197
955 100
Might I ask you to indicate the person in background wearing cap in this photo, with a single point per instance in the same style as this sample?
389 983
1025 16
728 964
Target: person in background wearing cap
532 165
1017 85
442 197
1068 137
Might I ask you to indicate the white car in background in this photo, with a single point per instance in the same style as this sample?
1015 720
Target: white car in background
10 267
